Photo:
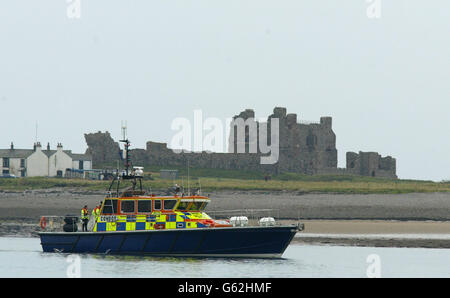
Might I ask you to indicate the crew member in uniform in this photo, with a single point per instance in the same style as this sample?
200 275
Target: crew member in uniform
96 211
85 218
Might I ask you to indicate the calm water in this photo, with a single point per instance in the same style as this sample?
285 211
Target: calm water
22 257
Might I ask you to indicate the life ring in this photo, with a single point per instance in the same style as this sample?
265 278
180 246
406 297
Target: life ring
43 223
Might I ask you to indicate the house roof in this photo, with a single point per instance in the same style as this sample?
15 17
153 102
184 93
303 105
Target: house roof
25 153
51 152
15 153
48 152
84 157
74 156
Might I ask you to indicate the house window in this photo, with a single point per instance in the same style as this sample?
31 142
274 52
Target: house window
80 165
6 162
22 163
5 172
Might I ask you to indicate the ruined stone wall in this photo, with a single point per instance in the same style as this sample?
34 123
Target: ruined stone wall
371 164
158 154
303 148
102 148
308 148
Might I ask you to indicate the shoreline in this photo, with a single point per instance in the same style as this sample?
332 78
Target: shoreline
368 233
330 219
375 233
284 205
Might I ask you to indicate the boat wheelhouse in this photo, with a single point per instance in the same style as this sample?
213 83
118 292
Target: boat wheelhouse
137 213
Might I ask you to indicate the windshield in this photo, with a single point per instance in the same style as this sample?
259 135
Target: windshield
198 206
183 206
169 204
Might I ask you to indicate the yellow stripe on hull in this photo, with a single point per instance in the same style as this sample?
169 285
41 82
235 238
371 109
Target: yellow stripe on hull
149 222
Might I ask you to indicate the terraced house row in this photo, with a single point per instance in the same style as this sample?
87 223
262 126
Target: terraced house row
38 162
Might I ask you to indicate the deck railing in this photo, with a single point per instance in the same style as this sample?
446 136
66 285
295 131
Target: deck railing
253 215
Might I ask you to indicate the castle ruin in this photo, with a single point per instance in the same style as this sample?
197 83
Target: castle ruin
306 148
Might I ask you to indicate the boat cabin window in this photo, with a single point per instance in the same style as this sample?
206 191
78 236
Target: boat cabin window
127 206
183 206
157 204
197 206
169 204
110 207
144 206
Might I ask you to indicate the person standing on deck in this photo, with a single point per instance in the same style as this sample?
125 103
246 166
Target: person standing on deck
85 218
96 211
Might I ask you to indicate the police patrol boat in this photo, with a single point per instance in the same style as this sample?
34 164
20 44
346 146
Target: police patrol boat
134 223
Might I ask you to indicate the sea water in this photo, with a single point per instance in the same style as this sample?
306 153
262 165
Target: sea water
23 257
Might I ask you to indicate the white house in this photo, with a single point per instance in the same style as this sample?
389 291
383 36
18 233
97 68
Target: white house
58 161
13 161
81 161
38 162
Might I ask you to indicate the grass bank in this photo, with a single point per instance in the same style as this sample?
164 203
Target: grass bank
213 180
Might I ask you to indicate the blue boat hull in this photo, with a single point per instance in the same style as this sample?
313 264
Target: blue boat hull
209 242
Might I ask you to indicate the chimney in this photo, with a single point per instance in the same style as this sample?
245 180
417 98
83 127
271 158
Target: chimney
59 147
37 146
12 146
48 146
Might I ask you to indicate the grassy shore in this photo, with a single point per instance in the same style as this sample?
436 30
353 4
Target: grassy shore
244 181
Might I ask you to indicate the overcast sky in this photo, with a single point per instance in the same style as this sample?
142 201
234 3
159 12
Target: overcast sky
385 81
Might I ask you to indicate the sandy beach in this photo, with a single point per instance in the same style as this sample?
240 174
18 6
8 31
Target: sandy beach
284 205
376 233
406 220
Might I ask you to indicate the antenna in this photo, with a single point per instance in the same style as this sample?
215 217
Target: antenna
182 184
36 135
127 145
189 190
124 129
